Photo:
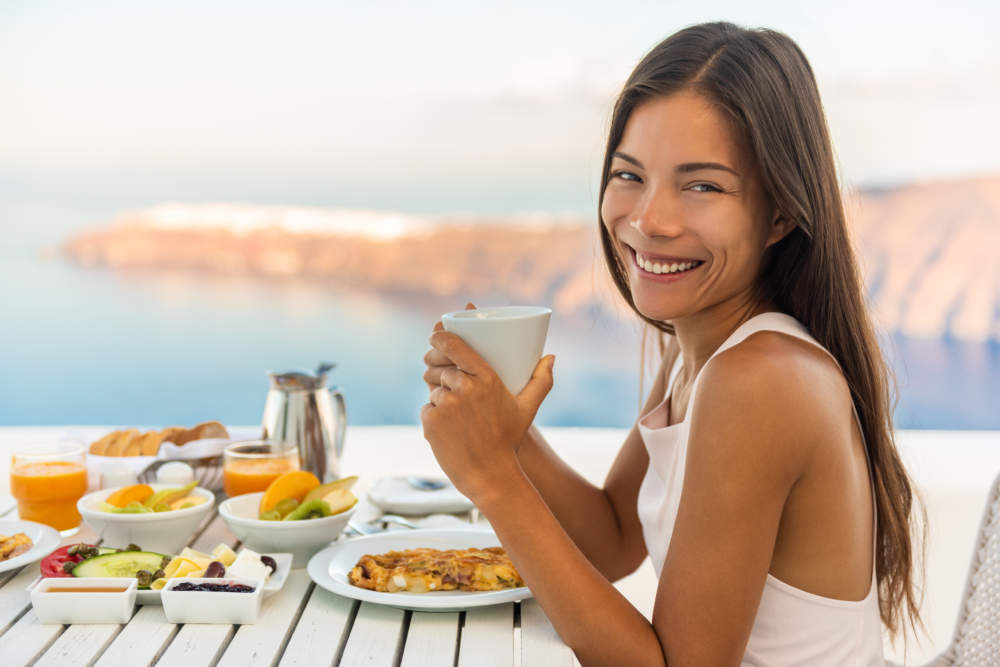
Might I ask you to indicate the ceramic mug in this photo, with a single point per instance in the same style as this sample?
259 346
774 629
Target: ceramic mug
509 338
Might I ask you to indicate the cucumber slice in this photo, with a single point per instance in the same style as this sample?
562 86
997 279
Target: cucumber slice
118 564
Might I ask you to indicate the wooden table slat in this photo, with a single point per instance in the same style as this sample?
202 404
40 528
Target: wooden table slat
141 641
374 637
321 629
14 598
261 643
28 639
197 644
540 645
488 637
79 645
430 641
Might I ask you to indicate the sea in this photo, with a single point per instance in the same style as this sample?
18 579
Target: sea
87 346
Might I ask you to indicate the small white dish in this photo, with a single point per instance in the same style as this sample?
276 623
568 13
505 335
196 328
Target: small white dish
301 538
330 567
44 540
160 532
73 604
211 606
397 496
273 584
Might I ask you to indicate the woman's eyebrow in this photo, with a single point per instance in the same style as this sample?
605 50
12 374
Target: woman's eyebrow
688 167
628 158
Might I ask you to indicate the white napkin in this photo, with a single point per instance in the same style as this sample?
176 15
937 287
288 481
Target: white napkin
394 494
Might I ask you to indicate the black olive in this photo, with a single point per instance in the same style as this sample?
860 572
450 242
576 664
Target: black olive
145 578
215 570
269 562
159 574
133 547
165 562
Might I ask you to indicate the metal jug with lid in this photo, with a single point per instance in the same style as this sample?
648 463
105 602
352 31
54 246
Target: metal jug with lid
301 409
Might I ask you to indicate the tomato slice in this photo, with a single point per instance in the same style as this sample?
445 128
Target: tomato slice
52 565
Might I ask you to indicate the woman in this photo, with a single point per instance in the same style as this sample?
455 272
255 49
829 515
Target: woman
761 477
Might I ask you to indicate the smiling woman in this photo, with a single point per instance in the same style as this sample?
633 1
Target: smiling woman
761 478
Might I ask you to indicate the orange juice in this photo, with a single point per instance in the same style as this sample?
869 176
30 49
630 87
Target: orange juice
47 491
249 475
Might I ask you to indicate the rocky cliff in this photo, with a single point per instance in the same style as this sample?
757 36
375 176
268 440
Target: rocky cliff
930 253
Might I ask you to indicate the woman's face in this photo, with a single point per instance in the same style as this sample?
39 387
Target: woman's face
685 210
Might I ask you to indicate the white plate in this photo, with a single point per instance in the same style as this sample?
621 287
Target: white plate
44 540
329 569
394 494
273 585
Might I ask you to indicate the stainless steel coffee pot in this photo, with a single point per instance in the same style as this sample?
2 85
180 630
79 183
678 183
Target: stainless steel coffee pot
301 409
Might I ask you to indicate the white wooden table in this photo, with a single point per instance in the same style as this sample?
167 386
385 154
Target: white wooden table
306 625
302 624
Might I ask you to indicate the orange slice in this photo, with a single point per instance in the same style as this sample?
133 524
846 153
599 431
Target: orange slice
295 484
127 494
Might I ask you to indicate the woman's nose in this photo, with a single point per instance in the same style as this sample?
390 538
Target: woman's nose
657 215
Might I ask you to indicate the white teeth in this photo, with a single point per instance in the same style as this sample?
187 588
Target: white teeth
651 267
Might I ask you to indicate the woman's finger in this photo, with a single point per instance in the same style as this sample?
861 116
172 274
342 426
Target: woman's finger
439 395
452 378
463 356
437 358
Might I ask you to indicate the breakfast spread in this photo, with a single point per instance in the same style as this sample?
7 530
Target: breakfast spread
14 545
131 442
426 570
141 499
298 495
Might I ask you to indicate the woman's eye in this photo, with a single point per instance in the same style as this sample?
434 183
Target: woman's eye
705 187
625 176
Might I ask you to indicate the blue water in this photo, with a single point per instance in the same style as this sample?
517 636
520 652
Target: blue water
92 346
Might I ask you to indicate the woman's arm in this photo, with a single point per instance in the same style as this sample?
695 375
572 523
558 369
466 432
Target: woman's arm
743 457
602 522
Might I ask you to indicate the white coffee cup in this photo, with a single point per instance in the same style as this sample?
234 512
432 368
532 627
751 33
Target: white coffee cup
509 338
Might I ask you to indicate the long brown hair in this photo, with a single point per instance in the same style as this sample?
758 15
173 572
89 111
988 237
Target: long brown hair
762 82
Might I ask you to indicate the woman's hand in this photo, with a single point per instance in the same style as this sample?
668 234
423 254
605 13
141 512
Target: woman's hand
472 421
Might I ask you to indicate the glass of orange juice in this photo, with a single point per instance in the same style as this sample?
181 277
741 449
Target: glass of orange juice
47 480
252 466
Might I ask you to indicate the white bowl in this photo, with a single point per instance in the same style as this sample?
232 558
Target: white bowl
301 538
161 532
82 607
211 606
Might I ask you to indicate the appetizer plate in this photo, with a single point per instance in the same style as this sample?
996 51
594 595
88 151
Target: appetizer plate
44 540
329 569
274 583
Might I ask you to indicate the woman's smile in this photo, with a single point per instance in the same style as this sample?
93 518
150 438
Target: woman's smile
662 268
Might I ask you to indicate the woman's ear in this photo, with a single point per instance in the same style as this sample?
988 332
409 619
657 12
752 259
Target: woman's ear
780 228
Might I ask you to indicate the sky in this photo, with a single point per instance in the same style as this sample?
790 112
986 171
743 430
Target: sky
448 95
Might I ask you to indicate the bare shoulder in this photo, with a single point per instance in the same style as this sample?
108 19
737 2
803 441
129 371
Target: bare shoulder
785 394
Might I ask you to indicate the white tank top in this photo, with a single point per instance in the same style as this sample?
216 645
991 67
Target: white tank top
792 626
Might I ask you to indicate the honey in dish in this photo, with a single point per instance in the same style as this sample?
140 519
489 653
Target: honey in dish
86 589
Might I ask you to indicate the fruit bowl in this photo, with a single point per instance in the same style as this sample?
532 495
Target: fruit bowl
302 538
163 532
